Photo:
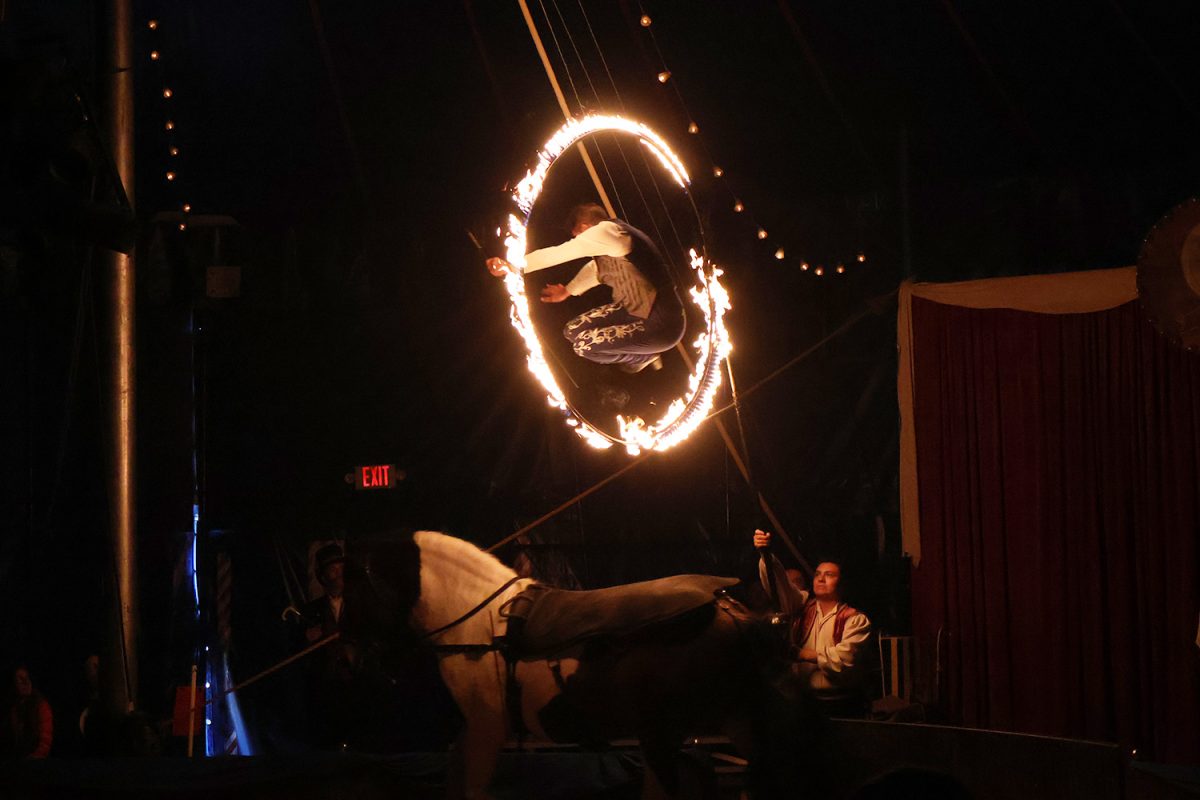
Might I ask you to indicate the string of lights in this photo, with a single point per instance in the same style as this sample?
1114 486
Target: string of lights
665 77
172 174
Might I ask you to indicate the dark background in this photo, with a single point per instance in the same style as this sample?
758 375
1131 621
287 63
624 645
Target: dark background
357 142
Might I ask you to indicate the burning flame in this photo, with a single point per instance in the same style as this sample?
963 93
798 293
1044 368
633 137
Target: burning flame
684 414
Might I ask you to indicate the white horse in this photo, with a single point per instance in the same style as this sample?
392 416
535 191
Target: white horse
672 682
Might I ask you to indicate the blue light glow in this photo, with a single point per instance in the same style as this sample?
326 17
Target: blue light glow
192 566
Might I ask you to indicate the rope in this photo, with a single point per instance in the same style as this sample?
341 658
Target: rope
845 326
871 309
333 637
563 506
577 498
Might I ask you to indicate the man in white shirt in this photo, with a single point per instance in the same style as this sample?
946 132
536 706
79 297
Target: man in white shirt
641 321
828 636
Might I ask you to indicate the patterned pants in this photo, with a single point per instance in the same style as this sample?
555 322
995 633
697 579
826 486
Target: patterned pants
609 334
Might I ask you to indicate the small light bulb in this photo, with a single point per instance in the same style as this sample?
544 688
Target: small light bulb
187 208
762 233
646 20
170 125
804 266
664 76
152 24
167 93
154 55
738 207
498 231
718 172
840 269
170 176
779 254
208 722
693 127
207 685
183 226
173 151
862 258
819 270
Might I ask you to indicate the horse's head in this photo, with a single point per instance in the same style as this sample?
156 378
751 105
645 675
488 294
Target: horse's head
383 581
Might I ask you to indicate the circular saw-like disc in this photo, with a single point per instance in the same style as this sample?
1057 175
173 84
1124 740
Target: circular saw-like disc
1168 275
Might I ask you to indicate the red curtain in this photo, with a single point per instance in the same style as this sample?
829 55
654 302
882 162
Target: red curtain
1059 463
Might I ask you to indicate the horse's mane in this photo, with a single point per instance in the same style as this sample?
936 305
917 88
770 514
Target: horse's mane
457 574
465 556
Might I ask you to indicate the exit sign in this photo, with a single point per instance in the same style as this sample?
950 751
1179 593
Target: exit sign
376 476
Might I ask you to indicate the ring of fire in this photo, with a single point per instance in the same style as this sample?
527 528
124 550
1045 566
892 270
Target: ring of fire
684 414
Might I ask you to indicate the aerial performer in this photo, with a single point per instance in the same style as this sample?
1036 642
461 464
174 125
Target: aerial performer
642 321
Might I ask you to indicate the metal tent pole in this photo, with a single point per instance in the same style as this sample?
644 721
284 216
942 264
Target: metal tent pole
116 81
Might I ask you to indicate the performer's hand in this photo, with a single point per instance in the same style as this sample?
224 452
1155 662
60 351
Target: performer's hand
762 540
806 654
555 293
498 266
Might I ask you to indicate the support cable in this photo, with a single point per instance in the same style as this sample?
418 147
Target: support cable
620 149
562 102
739 461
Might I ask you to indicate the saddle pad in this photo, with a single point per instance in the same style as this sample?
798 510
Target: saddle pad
543 620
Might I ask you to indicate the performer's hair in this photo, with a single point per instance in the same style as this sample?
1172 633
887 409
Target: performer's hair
591 213
830 558
846 583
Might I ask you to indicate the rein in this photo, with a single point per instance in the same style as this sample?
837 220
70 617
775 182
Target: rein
470 647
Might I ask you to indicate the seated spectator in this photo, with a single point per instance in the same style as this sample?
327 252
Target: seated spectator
827 635
28 722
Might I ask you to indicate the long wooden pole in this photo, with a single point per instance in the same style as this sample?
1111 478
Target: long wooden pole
608 206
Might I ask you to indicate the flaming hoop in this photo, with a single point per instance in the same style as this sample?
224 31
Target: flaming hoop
684 414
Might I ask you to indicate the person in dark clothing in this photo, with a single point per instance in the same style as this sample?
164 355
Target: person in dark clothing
331 670
28 720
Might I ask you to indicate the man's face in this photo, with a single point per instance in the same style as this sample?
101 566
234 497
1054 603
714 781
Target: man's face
333 578
825 581
22 683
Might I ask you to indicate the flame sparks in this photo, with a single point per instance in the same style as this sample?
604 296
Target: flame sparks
684 414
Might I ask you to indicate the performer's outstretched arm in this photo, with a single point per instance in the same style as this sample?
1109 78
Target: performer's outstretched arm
602 239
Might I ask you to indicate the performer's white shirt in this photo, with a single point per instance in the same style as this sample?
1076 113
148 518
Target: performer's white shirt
610 243
836 663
